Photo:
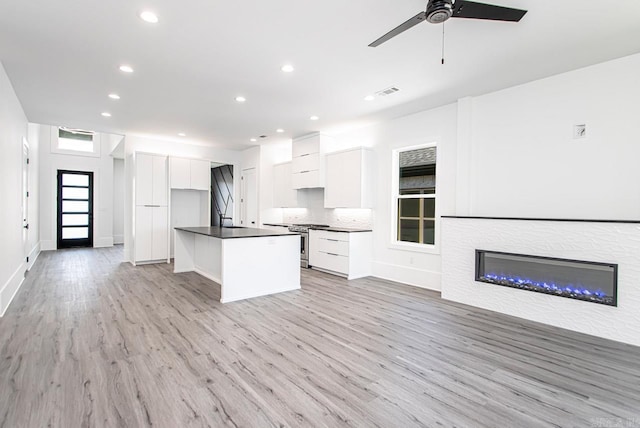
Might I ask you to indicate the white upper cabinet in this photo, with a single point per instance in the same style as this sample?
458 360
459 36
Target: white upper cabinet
180 173
284 195
192 174
151 179
307 166
200 174
349 179
160 180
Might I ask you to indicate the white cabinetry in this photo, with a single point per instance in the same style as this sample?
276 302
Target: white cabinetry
151 240
151 228
307 166
342 253
348 179
194 174
284 195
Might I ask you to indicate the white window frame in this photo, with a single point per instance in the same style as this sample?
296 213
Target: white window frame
394 243
55 149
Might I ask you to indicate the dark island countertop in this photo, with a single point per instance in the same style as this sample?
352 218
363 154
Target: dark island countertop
234 232
277 224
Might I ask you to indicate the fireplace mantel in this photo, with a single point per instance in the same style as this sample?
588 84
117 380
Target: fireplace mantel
573 220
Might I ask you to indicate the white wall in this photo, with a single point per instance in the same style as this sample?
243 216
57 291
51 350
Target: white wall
13 128
118 201
420 268
102 168
511 153
169 148
525 162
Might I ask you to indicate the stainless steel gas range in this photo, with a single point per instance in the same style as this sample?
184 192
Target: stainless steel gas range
303 230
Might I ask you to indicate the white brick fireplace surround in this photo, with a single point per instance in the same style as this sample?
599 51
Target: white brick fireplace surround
589 240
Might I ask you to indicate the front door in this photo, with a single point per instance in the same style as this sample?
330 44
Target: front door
75 209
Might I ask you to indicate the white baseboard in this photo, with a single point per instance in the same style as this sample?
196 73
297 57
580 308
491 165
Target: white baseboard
118 239
48 245
11 287
33 256
411 276
103 242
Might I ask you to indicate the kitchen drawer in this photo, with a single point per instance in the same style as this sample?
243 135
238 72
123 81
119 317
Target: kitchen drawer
332 246
329 261
303 180
306 146
305 163
335 236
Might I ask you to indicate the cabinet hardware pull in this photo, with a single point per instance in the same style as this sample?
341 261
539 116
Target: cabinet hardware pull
333 254
306 154
304 172
333 240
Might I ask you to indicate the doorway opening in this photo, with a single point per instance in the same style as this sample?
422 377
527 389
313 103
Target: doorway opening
222 195
75 209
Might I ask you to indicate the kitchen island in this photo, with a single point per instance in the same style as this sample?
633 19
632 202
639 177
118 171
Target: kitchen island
246 262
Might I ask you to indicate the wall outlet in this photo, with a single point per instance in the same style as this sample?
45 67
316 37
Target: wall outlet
579 131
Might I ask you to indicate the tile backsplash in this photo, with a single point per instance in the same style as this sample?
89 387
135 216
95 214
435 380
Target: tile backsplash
315 212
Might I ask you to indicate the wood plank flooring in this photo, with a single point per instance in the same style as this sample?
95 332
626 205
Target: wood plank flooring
93 342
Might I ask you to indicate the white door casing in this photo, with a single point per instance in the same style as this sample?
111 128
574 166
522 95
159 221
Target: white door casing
25 198
249 198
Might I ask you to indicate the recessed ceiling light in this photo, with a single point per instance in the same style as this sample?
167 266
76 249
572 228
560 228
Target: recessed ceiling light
126 68
369 98
114 96
106 114
149 16
253 140
314 118
241 99
280 130
182 134
287 68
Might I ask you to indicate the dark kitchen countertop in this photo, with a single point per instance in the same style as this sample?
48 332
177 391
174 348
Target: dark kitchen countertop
231 233
277 224
341 229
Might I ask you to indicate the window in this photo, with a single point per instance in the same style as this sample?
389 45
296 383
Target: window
75 139
76 142
416 195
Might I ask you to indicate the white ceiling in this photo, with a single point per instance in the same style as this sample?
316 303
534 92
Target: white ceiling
63 56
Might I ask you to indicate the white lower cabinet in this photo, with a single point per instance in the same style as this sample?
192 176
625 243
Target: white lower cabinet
151 234
343 253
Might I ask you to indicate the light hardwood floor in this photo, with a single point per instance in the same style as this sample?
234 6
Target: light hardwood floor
90 341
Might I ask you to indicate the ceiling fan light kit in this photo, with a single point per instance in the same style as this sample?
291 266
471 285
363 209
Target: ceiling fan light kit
439 11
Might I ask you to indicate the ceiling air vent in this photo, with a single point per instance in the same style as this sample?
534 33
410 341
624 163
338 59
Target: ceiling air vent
388 91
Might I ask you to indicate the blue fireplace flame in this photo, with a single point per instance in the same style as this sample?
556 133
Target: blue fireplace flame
547 286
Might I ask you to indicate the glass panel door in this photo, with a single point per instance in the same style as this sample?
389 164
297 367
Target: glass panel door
75 209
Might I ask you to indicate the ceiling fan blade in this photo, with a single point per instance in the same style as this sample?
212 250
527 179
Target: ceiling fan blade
422 16
470 9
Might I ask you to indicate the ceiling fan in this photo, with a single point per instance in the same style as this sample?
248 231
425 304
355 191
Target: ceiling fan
438 11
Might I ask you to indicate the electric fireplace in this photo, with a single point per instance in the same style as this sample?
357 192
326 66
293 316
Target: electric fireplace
582 280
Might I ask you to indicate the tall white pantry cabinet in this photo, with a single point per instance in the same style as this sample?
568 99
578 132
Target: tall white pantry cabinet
151 225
